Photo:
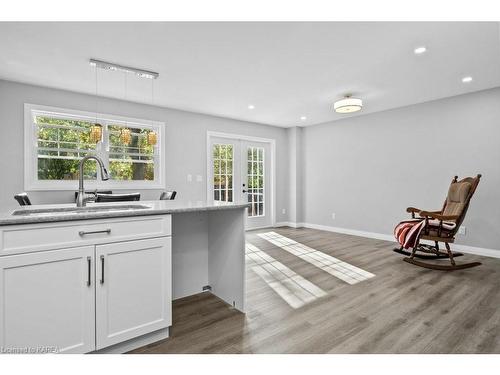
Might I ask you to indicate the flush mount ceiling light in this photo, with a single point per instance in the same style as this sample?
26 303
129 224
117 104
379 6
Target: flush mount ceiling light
251 106
419 50
348 105
303 118
121 68
467 79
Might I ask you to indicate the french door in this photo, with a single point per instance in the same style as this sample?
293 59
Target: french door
240 171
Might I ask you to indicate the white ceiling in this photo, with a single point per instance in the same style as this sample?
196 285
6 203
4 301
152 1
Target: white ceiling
287 70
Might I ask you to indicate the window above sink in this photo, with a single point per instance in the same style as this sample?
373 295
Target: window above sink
56 139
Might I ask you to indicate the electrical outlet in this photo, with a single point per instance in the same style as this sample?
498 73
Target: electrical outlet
283 211
199 178
333 215
462 230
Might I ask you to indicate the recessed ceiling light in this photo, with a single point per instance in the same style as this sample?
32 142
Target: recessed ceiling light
348 105
419 50
303 118
251 106
467 79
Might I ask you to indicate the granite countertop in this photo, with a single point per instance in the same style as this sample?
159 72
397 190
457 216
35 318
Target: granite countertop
66 212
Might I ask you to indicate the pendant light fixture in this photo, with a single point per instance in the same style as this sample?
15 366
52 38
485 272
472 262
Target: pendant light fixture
348 105
126 136
152 137
96 131
125 133
95 134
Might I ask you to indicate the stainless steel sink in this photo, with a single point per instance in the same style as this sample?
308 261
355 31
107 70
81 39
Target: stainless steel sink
78 210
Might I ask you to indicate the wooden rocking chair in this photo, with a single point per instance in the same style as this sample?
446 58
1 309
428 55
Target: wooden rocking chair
441 226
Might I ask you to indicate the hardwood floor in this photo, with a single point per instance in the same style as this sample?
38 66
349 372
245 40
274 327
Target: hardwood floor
403 309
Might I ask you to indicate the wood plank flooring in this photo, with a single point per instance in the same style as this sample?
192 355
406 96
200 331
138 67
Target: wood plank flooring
403 309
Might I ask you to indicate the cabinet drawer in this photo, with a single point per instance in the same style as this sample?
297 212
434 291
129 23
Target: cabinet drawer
18 239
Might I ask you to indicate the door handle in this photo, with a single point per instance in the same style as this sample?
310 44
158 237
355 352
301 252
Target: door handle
245 191
83 233
102 269
89 275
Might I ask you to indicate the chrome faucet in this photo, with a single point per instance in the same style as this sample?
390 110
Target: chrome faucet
81 201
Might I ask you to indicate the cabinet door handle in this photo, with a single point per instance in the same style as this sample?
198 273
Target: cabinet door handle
83 233
89 275
102 269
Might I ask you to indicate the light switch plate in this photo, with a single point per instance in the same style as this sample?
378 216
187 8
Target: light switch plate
190 177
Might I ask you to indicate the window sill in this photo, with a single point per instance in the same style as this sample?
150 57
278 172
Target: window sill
91 185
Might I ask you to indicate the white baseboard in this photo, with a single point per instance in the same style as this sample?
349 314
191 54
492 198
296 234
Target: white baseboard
263 227
353 232
477 250
287 224
389 237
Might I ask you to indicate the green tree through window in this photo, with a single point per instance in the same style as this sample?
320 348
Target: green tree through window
61 143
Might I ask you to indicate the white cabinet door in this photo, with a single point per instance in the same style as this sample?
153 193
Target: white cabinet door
133 289
47 301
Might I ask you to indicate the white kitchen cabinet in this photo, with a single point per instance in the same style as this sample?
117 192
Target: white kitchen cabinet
80 286
133 289
44 296
47 301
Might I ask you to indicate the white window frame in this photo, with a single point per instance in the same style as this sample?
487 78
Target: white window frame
31 181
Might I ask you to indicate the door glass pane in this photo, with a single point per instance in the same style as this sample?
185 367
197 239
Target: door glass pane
223 172
255 181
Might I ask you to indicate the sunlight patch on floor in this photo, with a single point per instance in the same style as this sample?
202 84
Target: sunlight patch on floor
335 267
290 286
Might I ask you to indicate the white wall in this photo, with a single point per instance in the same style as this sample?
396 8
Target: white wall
185 142
295 174
368 169
365 169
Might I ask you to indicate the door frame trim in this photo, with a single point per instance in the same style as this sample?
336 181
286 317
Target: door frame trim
241 137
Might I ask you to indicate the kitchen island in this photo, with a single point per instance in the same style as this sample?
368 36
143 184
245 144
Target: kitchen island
102 277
